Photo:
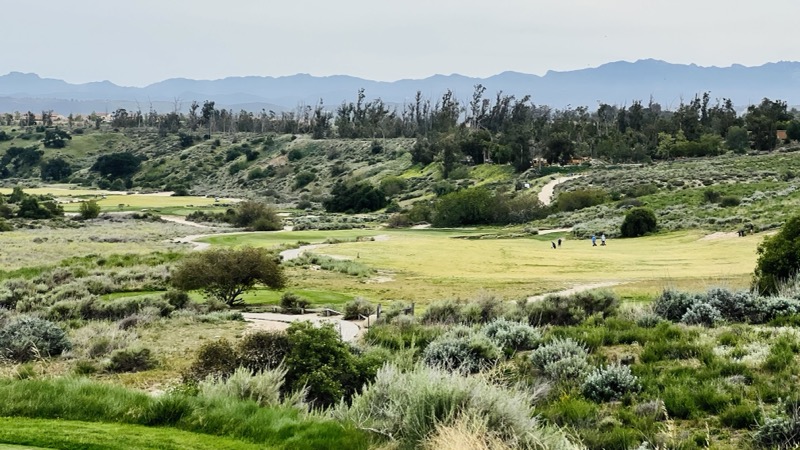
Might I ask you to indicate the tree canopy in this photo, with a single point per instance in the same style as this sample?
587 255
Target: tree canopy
778 258
225 274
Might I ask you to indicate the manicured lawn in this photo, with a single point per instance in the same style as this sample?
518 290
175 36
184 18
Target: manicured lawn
431 264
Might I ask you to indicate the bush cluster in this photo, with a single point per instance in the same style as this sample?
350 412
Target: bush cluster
358 308
469 352
409 405
721 304
481 309
26 338
512 336
571 309
315 359
562 360
610 383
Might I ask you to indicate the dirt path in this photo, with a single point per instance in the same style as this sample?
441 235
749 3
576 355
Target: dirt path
349 331
546 194
182 221
576 289
294 253
556 230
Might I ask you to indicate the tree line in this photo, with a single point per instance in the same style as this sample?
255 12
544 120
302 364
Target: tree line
503 129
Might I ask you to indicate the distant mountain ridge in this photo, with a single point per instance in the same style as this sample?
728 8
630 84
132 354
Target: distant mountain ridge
614 83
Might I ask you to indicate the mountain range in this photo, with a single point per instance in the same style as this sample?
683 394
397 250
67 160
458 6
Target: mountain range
617 83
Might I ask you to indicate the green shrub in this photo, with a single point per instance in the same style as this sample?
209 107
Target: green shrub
399 221
570 411
131 360
257 216
610 383
320 361
672 305
680 403
702 314
216 358
579 199
778 432
177 299
474 206
482 309
512 336
778 258
262 350
293 303
358 308
409 405
263 387
303 178
463 354
638 222
781 354
562 360
557 309
26 338
729 201
89 209
354 198
648 320
742 416
393 185
711 196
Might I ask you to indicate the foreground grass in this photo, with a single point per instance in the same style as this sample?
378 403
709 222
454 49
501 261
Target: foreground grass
84 400
93 435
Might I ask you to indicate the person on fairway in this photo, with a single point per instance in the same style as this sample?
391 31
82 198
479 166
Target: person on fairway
594 240
603 239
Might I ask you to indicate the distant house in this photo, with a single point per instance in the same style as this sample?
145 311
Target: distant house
781 135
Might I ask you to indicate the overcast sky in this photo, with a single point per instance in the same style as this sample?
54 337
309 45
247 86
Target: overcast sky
138 42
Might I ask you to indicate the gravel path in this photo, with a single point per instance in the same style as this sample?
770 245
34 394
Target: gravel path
182 221
546 194
349 331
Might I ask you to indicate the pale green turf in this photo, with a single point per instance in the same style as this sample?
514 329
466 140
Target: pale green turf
430 264
64 434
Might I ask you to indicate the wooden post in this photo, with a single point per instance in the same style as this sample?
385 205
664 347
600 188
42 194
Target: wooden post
377 312
412 308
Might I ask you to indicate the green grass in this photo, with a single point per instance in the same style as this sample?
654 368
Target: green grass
84 400
491 173
135 202
315 296
92 435
428 264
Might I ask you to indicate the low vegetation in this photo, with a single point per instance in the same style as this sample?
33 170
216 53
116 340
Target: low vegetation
98 307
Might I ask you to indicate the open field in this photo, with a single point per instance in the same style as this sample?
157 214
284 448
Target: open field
49 246
426 265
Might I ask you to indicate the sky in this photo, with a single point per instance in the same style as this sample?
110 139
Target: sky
139 42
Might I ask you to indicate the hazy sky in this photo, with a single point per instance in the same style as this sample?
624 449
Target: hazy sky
138 42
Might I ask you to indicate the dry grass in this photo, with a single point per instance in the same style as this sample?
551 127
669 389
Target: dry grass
48 246
467 433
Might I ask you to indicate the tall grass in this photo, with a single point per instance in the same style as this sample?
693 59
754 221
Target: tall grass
81 399
408 406
345 266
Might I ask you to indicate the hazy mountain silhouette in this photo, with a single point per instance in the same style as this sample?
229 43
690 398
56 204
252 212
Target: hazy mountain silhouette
615 83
